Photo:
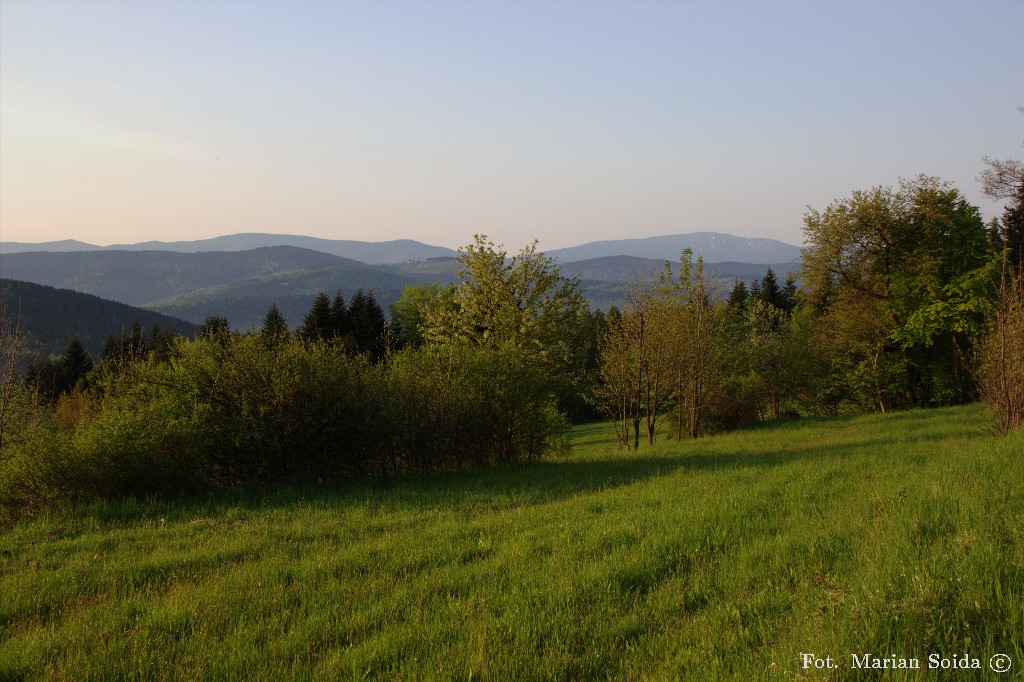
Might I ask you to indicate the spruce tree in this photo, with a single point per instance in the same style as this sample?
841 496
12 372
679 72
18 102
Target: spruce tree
341 321
275 327
318 323
369 327
739 295
161 341
770 291
75 364
137 340
789 293
215 328
111 347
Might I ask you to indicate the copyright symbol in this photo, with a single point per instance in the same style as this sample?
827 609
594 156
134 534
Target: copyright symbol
1000 663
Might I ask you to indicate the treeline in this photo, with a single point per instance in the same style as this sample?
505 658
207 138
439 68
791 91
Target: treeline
906 299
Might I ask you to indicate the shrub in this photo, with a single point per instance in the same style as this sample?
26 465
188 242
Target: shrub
1002 355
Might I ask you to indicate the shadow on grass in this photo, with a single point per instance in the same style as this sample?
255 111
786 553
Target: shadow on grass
601 467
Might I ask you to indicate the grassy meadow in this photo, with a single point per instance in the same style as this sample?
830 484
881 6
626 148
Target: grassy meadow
725 558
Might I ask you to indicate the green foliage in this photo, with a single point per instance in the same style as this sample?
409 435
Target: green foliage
319 323
274 326
667 353
1008 234
523 300
231 410
908 265
1001 365
369 328
409 313
215 328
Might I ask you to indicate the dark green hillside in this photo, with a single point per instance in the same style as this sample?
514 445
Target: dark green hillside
247 312
444 269
139 277
245 302
50 317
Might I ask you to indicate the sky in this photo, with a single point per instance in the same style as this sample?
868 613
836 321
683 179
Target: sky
562 121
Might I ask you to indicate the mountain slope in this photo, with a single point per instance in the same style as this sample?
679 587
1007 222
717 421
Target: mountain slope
138 277
50 317
245 302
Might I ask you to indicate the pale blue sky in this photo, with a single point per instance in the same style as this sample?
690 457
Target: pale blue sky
562 121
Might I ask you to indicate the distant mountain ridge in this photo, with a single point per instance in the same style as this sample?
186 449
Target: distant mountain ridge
714 247
241 285
48 247
395 251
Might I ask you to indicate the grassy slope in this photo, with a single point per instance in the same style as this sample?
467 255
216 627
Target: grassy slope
897 534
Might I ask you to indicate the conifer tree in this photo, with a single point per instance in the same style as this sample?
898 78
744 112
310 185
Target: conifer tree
369 327
341 323
215 328
755 290
160 343
137 339
75 364
770 291
318 323
739 295
275 327
789 293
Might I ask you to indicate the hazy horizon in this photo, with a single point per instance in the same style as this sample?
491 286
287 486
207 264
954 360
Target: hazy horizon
559 121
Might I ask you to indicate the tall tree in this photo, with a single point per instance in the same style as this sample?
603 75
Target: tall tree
905 255
703 346
523 301
1008 234
770 292
369 327
409 313
215 328
738 296
318 322
74 365
341 322
275 327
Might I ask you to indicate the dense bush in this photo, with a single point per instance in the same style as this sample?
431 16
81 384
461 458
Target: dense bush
1002 355
239 410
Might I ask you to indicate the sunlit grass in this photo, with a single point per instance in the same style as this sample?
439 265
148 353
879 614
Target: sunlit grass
889 534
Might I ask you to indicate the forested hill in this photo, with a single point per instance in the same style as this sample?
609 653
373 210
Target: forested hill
140 277
241 285
50 317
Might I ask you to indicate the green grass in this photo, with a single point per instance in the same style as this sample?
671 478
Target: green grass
899 534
